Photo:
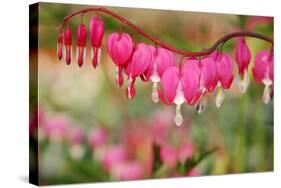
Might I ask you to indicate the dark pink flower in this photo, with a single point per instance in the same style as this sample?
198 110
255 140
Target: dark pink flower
96 35
243 58
68 45
120 48
224 74
162 59
263 72
60 45
97 137
139 63
81 36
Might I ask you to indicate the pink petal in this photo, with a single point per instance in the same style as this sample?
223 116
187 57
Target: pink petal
190 80
120 48
208 76
261 66
170 80
96 31
225 70
141 60
242 55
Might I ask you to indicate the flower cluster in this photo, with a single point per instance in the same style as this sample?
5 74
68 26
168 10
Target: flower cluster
189 81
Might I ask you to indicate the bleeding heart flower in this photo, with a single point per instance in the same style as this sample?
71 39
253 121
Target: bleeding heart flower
162 59
139 63
224 74
120 48
59 45
180 86
205 70
96 35
81 36
68 45
243 58
263 73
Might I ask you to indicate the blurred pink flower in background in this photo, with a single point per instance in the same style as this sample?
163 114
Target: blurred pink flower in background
171 155
97 137
113 155
75 135
254 21
75 138
56 128
128 170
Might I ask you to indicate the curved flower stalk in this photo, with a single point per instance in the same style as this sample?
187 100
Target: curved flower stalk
224 74
120 48
200 74
263 73
96 35
243 58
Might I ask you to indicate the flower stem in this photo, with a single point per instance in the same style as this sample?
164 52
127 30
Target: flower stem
161 43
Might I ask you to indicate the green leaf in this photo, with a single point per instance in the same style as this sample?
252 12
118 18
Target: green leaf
190 163
157 163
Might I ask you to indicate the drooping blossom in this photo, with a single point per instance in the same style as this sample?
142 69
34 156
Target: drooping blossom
128 170
60 45
180 86
97 137
224 74
243 58
96 35
81 36
263 72
162 59
120 48
67 37
139 63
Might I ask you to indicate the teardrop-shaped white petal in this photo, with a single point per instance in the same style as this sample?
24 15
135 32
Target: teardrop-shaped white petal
244 81
154 95
219 96
178 118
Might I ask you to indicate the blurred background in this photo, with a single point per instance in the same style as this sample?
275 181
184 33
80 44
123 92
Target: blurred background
90 132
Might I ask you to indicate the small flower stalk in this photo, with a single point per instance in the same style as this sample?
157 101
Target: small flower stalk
96 35
243 58
263 73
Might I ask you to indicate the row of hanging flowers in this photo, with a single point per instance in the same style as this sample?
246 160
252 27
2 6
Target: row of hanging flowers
189 81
